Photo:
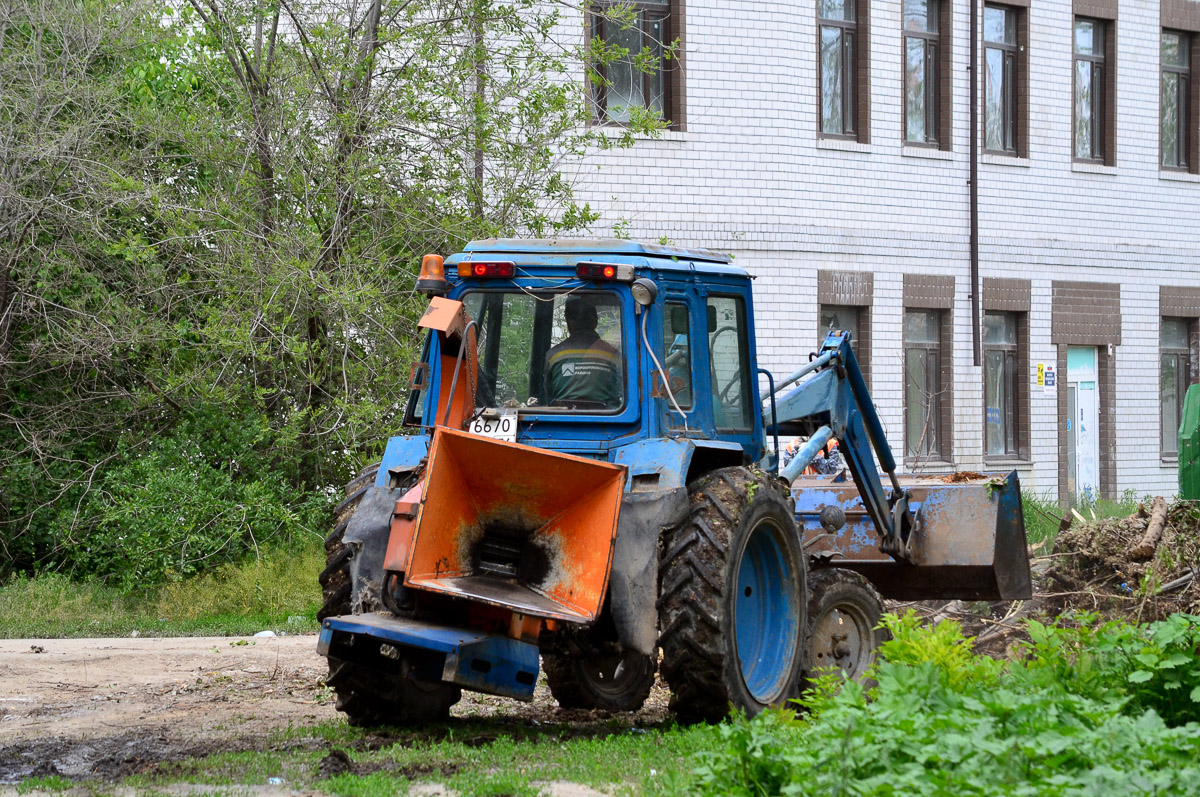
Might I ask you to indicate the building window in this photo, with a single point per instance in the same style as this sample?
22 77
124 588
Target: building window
922 384
1174 380
625 85
854 320
921 71
1000 63
1176 94
1000 380
1091 89
839 317
837 66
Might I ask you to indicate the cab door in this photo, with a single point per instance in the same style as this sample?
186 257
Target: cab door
674 343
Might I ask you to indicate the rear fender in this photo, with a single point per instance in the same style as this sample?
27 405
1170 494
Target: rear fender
655 499
404 455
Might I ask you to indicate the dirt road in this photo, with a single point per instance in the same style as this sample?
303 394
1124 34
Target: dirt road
106 708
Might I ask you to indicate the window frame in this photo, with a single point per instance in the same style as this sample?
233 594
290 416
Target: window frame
1101 71
1183 379
933 390
1014 68
538 363
670 16
1013 375
1185 160
855 73
934 57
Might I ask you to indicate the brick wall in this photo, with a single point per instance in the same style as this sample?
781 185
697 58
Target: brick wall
751 176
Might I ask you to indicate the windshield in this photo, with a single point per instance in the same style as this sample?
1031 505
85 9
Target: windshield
557 352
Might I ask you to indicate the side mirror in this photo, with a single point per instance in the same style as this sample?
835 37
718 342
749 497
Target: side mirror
712 319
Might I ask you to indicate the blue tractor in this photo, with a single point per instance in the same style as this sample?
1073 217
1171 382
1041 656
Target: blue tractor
588 491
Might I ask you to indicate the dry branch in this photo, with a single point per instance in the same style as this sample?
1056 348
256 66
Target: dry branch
1154 529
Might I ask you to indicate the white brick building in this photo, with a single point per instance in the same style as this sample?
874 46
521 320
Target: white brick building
1081 252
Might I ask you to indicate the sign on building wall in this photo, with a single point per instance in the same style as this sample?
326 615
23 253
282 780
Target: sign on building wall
1047 377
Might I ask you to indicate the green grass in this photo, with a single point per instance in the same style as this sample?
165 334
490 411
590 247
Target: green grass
266 593
471 758
1042 514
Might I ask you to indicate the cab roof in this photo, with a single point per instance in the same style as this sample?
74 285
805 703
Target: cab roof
570 251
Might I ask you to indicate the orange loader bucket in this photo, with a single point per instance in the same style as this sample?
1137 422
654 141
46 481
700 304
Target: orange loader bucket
515 526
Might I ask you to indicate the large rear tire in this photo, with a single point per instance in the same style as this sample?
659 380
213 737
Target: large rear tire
369 697
609 680
844 611
732 599
335 578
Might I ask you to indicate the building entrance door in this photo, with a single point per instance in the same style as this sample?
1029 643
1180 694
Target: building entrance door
1083 425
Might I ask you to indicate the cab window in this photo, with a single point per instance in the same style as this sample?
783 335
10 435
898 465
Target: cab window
728 346
677 352
557 352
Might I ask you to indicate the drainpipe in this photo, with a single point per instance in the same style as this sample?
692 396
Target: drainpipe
974 182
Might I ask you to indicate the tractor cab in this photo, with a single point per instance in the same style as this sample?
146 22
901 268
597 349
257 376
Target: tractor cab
584 347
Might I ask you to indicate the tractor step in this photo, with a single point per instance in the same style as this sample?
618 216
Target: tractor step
471 659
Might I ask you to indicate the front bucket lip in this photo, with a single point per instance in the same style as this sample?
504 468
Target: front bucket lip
616 471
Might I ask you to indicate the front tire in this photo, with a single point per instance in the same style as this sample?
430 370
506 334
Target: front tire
608 680
732 599
335 578
370 698
844 611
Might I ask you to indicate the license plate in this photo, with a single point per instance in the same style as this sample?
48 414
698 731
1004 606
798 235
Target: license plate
502 426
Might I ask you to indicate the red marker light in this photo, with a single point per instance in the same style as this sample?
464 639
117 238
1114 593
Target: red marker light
486 270
604 271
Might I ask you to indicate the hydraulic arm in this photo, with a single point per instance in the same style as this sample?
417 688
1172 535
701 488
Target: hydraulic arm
831 400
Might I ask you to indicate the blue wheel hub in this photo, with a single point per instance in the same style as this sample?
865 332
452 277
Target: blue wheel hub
766 613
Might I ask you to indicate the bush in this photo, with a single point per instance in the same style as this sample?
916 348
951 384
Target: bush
1072 719
199 498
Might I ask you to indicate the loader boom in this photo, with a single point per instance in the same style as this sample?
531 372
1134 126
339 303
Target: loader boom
831 400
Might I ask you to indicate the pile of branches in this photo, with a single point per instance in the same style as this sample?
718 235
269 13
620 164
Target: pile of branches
1139 568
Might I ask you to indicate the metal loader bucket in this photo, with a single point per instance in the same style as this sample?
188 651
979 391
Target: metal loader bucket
514 526
969 543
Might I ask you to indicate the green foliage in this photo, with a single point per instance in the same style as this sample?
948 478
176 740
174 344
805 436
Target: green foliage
945 721
276 591
1043 513
190 502
1155 667
210 243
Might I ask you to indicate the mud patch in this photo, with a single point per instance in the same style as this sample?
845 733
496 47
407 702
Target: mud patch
110 758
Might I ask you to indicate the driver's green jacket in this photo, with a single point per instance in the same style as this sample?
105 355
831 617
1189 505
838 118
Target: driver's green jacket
584 367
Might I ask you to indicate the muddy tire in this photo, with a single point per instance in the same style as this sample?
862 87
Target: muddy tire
335 578
607 681
843 612
732 599
369 698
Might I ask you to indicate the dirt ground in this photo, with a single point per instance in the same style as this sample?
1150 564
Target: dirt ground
106 708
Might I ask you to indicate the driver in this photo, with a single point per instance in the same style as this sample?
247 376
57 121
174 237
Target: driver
583 367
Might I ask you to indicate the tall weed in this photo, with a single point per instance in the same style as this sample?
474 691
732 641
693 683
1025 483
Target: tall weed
1073 718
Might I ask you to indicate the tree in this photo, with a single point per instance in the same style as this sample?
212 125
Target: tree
212 215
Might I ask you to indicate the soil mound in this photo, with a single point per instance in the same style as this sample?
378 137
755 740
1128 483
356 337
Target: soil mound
1139 568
